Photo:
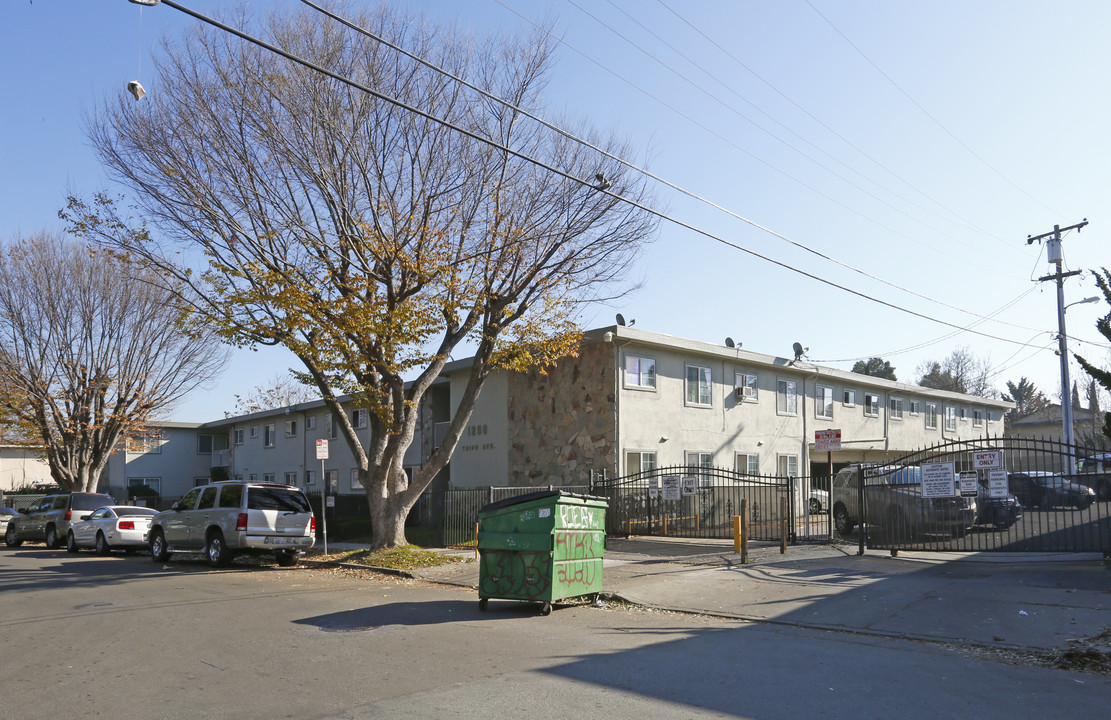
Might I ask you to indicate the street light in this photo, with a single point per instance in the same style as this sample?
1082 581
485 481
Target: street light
1066 396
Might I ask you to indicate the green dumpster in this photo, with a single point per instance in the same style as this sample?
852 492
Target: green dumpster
541 547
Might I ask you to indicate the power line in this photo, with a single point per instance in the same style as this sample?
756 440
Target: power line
926 112
831 130
517 154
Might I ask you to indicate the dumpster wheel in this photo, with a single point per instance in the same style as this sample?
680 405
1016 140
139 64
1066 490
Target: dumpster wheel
546 609
482 603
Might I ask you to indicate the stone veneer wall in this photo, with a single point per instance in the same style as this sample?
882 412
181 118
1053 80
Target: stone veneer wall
562 425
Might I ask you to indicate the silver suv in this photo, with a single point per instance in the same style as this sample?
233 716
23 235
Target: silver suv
894 502
226 519
48 519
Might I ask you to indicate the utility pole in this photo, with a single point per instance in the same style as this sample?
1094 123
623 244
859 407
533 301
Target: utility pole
1053 255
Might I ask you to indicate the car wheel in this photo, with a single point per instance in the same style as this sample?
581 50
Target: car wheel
10 537
71 542
286 558
102 547
158 551
815 506
51 538
216 551
841 520
1084 504
1103 492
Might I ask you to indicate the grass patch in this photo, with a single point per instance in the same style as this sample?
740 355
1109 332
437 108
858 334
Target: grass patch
408 557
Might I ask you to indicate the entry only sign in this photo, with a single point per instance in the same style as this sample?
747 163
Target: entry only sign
987 459
827 440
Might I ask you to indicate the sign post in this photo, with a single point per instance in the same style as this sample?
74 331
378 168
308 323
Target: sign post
322 455
828 441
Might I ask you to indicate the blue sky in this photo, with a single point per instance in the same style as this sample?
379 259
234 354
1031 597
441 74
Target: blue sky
915 144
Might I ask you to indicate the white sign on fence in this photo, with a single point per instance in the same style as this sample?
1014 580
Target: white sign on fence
321 449
672 487
969 486
653 487
690 486
997 483
938 480
987 459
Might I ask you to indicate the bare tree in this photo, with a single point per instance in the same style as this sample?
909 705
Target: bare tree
89 352
961 372
369 240
280 391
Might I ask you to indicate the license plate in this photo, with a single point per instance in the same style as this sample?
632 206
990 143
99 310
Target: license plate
273 540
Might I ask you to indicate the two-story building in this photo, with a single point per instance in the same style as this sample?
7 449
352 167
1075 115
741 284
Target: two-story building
631 401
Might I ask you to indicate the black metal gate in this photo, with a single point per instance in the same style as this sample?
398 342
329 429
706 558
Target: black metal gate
1000 495
701 502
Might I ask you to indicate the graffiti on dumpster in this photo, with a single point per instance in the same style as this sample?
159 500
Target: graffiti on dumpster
577 516
573 574
577 545
520 575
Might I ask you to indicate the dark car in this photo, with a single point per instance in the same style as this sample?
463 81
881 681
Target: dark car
999 512
48 519
1046 490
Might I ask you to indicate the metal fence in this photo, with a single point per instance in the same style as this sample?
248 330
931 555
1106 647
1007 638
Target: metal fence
701 502
1030 502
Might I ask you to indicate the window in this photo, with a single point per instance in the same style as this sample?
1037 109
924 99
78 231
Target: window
331 478
950 418
253 477
310 477
747 383
204 444
291 428
254 431
788 465
145 442
637 461
746 463
190 500
823 402
895 407
355 484
147 485
977 418
915 407
310 422
291 478
963 413
871 405
699 382
238 477
640 372
848 398
330 426
268 477
237 436
786 397
268 435
358 417
703 460
208 497
931 416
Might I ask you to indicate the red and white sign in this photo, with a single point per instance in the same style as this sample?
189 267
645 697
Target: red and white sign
827 440
321 449
987 459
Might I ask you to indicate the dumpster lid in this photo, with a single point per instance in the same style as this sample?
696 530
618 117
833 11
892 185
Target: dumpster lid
529 497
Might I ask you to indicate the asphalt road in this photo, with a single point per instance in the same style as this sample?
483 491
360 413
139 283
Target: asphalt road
85 636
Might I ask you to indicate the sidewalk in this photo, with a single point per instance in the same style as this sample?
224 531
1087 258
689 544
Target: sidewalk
1026 601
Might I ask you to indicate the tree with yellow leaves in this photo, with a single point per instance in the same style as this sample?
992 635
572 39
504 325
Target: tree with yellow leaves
370 240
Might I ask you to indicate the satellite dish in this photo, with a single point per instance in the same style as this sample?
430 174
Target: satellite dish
620 319
729 342
799 350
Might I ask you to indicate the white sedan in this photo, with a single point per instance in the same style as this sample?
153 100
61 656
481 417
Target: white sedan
111 527
819 501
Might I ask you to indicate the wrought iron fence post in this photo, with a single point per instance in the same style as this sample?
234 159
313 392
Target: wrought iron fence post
860 504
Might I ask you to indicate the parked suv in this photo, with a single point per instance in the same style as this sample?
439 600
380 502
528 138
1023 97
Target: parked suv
1095 472
226 519
893 497
49 518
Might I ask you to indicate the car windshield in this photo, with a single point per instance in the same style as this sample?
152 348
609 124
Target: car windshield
277 498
